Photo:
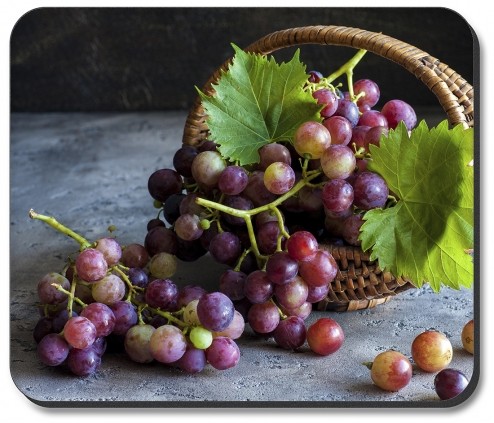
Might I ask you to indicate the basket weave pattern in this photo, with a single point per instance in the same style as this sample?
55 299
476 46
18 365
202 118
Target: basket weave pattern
360 283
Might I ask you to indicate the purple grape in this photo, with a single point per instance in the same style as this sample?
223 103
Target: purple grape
340 130
135 255
91 265
167 344
60 319
79 332
188 293
171 208
273 152
225 247
153 223
158 321
53 349
396 111
359 135
99 345
291 333
111 250
125 317
207 167
256 191
257 287
223 353
372 118
183 158
233 180
232 284
193 360
348 110
371 90
281 268
215 311
43 327
188 227
351 229
101 316
338 162
373 136
267 237
292 294
83 362
138 277
303 311
162 293
337 195
328 99
320 270
370 191
315 76
136 343
190 250
207 145
279 178
263 318
160 240
164 182
49 294
450 383
302 245
317 293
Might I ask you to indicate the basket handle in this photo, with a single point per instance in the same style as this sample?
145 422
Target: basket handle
455 94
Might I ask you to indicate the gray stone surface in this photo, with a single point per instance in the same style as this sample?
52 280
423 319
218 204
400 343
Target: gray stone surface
90 171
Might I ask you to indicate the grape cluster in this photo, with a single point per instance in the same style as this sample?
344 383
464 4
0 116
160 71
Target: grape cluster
121 295
269 221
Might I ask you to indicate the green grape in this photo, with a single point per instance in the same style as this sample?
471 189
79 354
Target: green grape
201 338
163 265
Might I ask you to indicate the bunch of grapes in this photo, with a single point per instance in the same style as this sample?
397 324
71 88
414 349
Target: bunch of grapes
269 222
121 294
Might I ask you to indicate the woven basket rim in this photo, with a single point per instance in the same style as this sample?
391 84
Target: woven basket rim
454 93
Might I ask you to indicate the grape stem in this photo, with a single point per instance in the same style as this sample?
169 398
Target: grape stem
71 296
347 69
51 221
247 214
166 314
125 278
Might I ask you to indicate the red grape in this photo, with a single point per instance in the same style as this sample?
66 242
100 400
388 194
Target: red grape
391 371
432 351
467 337
325 336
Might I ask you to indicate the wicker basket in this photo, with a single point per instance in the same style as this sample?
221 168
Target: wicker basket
360 283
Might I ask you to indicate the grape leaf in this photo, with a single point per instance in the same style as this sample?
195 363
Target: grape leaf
257 101
426 235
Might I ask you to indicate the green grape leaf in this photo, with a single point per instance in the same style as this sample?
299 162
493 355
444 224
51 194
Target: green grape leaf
257 101
426 236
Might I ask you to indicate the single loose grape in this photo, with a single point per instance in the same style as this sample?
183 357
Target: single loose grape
325 336
432 351
450 383
391 371
467 337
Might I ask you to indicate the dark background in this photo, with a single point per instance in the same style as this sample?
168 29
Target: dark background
117 59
